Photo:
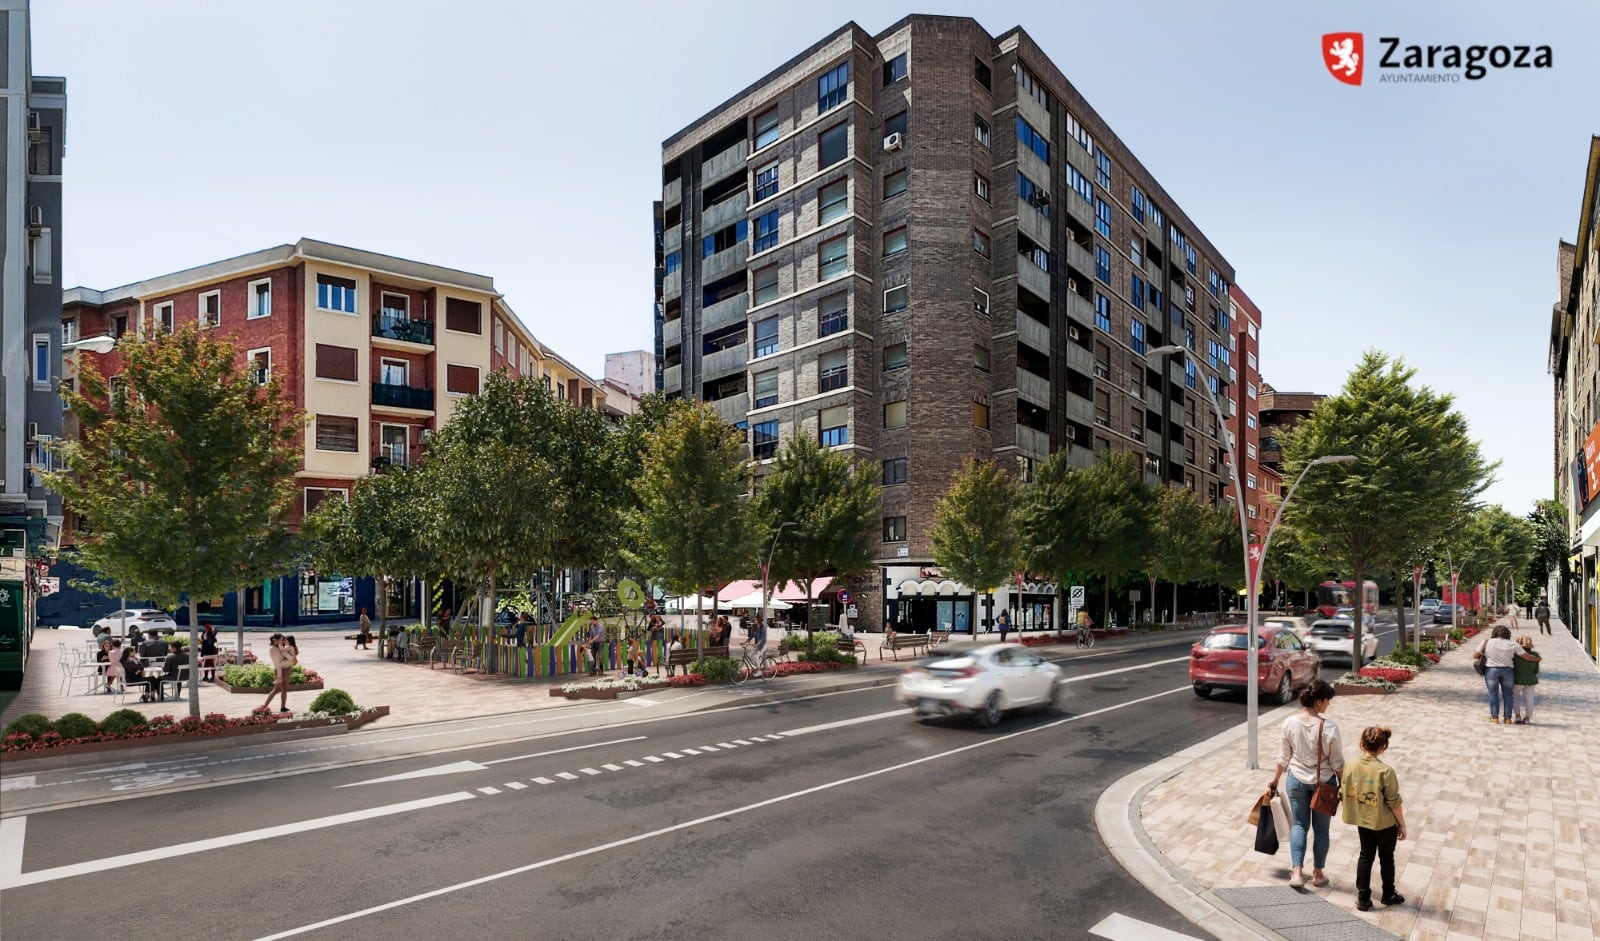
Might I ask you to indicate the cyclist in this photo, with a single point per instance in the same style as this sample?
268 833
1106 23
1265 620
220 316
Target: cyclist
757 637
1085 627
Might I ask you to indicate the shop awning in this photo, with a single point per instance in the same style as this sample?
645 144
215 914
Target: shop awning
933 587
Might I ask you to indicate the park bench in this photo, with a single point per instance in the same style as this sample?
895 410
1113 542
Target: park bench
913 642
421 648
937 639
686 656
467 657
852 646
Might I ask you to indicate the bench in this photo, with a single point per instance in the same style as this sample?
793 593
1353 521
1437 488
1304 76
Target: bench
938 639
686 656
899 642
852 646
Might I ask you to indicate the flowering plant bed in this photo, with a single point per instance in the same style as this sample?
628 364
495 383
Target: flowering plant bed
257 678
136 730
610 687
1352 684
686 679
1392 674
260 690
791 668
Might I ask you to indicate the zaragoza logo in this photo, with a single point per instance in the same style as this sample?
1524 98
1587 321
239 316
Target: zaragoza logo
1343 54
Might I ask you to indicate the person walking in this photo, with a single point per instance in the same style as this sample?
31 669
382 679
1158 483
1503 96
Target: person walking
673 646
1524 682
114 674
364 635
636 656
1541 613
1002 622
596 638
1511 614
282 666
1372 803
1499 654
208 653
1311 752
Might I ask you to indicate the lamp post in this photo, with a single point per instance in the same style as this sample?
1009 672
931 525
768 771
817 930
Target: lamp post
1455 577
765 569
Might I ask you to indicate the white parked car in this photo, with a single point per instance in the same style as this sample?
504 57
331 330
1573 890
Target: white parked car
984 683
1336 637
138 619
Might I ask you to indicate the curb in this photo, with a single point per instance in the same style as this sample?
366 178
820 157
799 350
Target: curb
168 750
1117 818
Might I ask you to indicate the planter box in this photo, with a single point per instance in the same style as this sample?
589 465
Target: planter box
1343 689
366 716
607 693
262 690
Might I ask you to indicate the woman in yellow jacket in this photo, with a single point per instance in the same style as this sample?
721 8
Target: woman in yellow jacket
1372 803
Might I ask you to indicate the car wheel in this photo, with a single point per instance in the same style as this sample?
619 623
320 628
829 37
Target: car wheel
1284 693
990 715
1058 693
1202 690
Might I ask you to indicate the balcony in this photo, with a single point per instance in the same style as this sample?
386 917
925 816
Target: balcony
1033 388
724 313
1078 358
1079 258
672 193
1079 409
671 332
722 363
1175 412
672 379
672 284
1080 455
672 240
1079 309
1032 442
1033 223
1032 277
723 263
723 164
385 395
398 325
733 408
725 213
1033 333
1175 453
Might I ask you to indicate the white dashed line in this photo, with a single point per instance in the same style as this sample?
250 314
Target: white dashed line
543 781
708 748
672 754
488 790
566 776
652 758
590 770
516 785
726 745
612 767
633 763
689 751
741 741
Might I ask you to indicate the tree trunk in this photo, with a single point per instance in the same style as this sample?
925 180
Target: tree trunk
239 634
194 662
1174 603
1358 590
1105 619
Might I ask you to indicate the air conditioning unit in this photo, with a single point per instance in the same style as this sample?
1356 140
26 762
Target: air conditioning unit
1072 433
1073 333
1072 284
1040 198
894 141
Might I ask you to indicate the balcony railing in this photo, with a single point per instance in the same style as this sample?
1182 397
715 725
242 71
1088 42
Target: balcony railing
398 396
399 326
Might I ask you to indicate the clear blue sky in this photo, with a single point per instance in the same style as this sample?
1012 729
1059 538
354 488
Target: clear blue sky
522 141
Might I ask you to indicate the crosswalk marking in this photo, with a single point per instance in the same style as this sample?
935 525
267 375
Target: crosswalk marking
515 785
590 770
652 758
726 745
566 776
672 754
543 781
612 767
689 751
633 763
741 741
488 790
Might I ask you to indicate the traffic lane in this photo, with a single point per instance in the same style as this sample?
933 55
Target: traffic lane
465 836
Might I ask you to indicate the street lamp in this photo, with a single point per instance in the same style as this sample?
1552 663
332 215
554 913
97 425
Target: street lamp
765 569
1455 577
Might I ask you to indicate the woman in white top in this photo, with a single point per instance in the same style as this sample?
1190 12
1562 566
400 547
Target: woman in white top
1499 654
1298 755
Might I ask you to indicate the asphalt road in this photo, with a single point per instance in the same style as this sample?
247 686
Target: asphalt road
838 816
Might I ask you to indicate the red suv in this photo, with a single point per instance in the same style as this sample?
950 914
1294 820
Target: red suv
1284 662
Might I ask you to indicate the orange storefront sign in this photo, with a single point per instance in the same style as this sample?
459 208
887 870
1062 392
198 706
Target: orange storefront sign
1591 465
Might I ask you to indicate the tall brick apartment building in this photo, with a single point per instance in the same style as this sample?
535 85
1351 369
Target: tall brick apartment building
375 350
1262 483
924 245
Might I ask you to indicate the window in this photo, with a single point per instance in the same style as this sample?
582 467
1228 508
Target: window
674 261
833 202
1136 335
499 336
894 241
1249 420
336 362
833 315
980 357
1250 358
461 380
766 234
69 331
833 370
119 325
894 414
764 285
980 415
1029 85
336 433
1213 281
832 86
1251 509
1102 265
41 361
1080 134
260 295
832 145
1223 321
336 293
1080 184
766 337
764 440
766 182
895 183
980 243
834 426
1136 202
896 299
463 316
394 444
982 72
1102 217
259 364
1136 252
1249 450
980 301
1102 312
1250 389
1136 291
42 248
210 310
313 497
980 130
980 185
164 317
894 529
833 257
764 385
764 128
895 357
1189 374
1250 481
1031 139
1102 170
723 239
895 125
1033 194
895 69
894 471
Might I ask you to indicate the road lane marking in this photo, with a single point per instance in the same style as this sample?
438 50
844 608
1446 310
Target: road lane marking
1137 666
488 790
689 751
633 763
13 880
652 758
566 776
590 770
740 741
12 832
612 767
700 821
672 754
453 768
841 723
543 781
19 783
516 785
1119 927
558 751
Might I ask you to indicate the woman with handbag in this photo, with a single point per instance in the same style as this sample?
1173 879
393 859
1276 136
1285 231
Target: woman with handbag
1313 755
1495 659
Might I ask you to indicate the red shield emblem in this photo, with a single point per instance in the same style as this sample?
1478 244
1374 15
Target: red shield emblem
1344 56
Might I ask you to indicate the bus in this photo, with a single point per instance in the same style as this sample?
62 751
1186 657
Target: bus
1331 596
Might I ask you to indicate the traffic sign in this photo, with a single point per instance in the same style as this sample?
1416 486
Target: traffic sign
49 586
844 597
1077 596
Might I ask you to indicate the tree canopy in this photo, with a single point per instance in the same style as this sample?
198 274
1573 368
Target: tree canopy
974 531
1093 521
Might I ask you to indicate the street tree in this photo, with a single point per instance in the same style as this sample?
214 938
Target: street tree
974 532
380 532
185 468
1093 521
1193 543
690 529
1296 560
834 508
1551 542
1417 470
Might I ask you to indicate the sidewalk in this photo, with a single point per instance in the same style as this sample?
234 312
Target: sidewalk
1503 821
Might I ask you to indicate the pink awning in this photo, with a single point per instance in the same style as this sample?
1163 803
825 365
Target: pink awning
738 589
790 592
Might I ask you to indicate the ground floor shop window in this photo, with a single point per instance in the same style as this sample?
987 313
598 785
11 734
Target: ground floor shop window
1032 613
326 594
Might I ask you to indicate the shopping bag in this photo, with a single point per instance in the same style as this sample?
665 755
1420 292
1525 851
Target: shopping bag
1282 816
1266 830
1256 805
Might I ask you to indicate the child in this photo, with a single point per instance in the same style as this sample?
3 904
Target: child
636 656
1525 680
676 644
1372 803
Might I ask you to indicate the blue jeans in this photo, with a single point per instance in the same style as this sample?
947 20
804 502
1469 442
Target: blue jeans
1304 818
1499 681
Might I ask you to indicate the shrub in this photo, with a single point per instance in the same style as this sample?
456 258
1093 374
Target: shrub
828 654
122 722
76 725
715 671
250 674
32 725
333 702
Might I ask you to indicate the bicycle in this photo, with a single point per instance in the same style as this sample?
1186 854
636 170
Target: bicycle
750 666
1085 636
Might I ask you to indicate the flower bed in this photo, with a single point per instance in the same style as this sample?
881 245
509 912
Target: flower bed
686 679
126 728
1392 674
1352 684
610 687
257 678
261 690
808 666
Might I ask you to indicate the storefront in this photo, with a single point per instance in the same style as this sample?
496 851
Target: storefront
1032 606
918 599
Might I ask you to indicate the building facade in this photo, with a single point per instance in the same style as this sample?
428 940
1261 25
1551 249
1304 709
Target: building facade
924 245
1280 412
1261 482
376 351
33 111
1575 364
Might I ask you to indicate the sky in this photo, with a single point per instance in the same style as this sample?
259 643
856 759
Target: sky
521 140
